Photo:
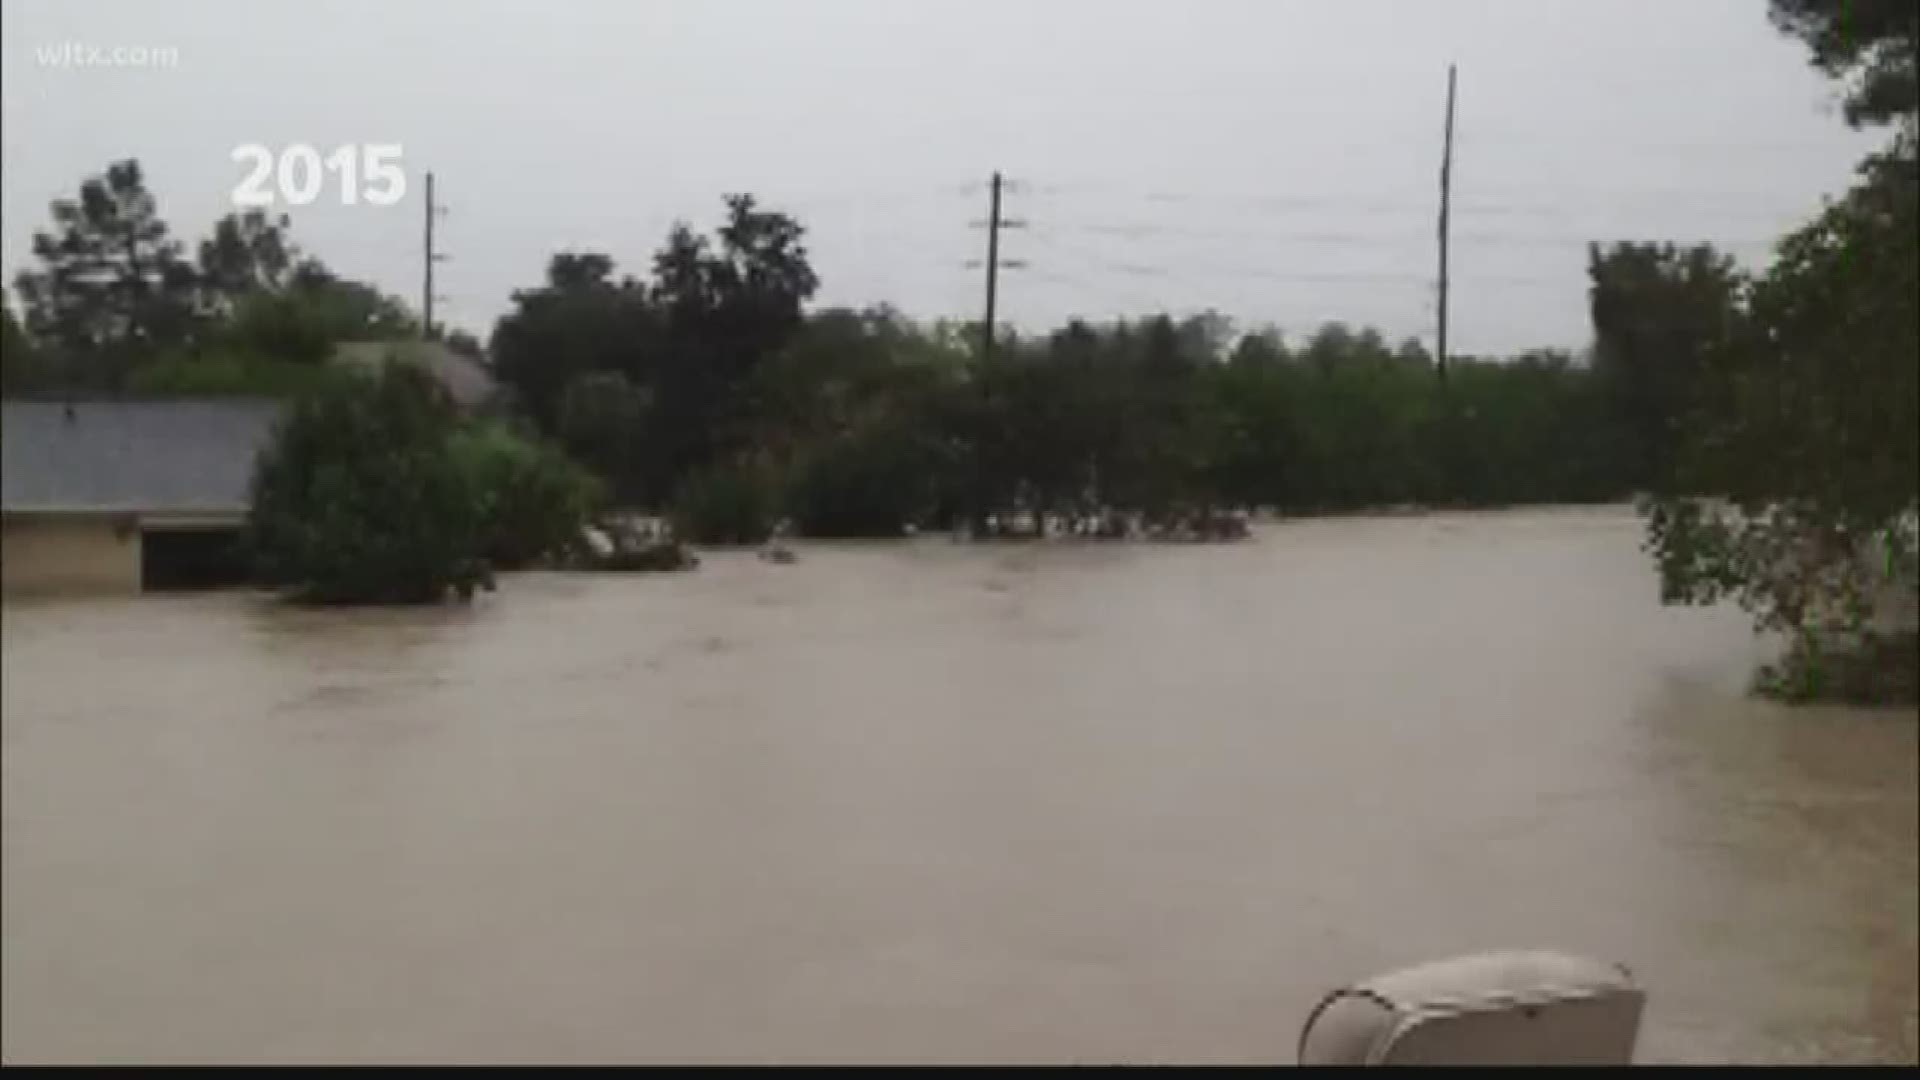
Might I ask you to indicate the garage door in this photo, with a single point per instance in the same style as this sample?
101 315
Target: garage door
173 560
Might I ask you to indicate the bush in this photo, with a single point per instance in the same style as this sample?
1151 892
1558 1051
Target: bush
870 484
228 373
533 500
602 423
1872 669
359 499
726 504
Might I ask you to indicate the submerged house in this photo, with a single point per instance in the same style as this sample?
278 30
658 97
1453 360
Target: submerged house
125 496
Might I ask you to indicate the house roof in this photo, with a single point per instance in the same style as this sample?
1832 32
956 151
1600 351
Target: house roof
104 455
466 380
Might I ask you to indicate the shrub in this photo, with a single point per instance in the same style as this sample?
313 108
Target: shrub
228 373
532 499
872 483
726 504
359 500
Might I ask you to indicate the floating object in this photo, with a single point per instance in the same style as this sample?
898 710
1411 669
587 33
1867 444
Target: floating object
597 541
1501 1008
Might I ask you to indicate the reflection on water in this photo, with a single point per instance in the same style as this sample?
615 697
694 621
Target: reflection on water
931 802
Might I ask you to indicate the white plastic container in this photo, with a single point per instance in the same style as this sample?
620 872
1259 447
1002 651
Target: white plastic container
1504 1008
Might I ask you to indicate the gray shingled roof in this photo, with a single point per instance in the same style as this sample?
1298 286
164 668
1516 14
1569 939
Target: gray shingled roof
467 381
181 455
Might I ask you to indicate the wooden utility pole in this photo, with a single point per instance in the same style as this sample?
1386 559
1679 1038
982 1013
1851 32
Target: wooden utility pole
993 224
993 265
427 297
1446 200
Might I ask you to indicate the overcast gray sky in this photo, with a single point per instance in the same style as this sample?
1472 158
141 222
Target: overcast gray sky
1273 159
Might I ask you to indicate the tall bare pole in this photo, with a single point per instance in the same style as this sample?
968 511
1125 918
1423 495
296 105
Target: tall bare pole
426 287
1446 201
993 265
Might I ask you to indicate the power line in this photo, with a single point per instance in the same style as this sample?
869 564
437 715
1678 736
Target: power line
1130 230
1511 200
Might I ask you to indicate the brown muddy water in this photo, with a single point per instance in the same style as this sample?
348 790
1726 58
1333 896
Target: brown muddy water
936 802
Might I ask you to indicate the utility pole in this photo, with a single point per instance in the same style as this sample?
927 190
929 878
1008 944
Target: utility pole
995 263
1446 200
427 296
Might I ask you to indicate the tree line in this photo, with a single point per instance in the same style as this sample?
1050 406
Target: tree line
708 389
1767 422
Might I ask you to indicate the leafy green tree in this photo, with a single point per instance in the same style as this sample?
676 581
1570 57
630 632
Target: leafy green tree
734 502
872 481
20 362
729 304
1660 316
603 423
581 321
359 498
111 283
221 373
1799 482
348 310
1869 45
247 253
465 344
534 501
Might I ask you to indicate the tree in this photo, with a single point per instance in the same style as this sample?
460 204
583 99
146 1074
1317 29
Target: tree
603 418
533 500
581 321
20 367
465 344
1262 349
111 283
247 254
359 499
729 306
1661 314
348 310
1800 476
1869 45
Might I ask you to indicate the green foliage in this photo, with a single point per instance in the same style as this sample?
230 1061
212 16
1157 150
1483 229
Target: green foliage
690 337
111 283
602 422
873 482
1869 45
728 503
21 365
1662 316
359 499
224 373
1877 670
347 310
288 327
1796 489
248 253
113 295
580 322
533 499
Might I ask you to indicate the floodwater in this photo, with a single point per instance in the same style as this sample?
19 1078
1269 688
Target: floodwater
936 802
